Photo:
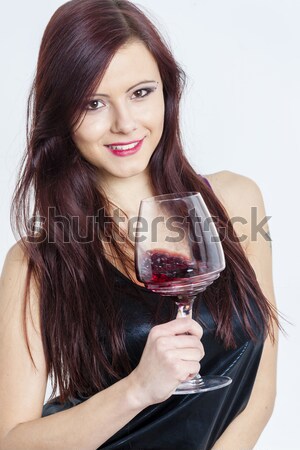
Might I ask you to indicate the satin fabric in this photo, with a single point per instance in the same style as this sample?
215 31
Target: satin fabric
183 422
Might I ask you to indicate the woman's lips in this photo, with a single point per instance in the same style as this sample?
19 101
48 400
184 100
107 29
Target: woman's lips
128 152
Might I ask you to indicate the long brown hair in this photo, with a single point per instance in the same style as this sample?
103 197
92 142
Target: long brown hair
80 326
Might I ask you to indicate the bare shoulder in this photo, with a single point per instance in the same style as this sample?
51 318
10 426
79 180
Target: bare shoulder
242 199
15 259
15 267
13 283
234 190
16 254
14 278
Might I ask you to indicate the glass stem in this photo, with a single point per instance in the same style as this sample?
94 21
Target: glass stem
185 305
185 308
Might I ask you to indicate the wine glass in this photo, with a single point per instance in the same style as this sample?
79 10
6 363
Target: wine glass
178 253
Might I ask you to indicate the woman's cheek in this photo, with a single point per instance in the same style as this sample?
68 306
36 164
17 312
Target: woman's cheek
90 132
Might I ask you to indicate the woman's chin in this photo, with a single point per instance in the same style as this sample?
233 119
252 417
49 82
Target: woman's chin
127 171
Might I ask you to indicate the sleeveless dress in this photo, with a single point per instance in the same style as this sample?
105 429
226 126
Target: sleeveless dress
183 422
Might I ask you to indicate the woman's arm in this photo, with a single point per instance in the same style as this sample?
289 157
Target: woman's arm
242 199
22 388
169 355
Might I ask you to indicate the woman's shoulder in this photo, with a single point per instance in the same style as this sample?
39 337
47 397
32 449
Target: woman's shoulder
17 252
226 180
233 189
241 198
14 274
16 259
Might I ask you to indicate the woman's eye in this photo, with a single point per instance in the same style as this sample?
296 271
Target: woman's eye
140 93
94 105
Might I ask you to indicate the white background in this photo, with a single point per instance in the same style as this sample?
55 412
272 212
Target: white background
241 113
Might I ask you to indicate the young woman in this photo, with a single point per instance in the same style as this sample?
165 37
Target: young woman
71 306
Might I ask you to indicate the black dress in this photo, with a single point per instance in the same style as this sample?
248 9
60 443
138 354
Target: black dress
183 422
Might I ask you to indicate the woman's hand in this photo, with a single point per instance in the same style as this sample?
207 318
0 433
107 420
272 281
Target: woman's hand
171 355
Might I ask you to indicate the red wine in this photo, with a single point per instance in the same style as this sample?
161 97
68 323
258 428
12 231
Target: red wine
170 272
159 266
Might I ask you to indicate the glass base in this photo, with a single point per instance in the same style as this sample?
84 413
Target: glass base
199 384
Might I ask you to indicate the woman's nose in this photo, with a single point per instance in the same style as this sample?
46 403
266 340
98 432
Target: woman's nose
123 120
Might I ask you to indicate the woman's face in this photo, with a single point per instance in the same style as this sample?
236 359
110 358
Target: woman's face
124 120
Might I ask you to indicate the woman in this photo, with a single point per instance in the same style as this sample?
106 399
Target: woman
71 306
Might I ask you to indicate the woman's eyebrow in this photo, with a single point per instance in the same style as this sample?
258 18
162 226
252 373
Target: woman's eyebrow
132 87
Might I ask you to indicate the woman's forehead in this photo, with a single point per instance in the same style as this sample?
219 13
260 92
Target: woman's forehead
132 64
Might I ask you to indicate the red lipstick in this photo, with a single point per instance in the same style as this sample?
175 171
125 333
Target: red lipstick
125 152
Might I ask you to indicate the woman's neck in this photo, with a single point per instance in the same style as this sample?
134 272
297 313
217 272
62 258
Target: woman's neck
127 193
